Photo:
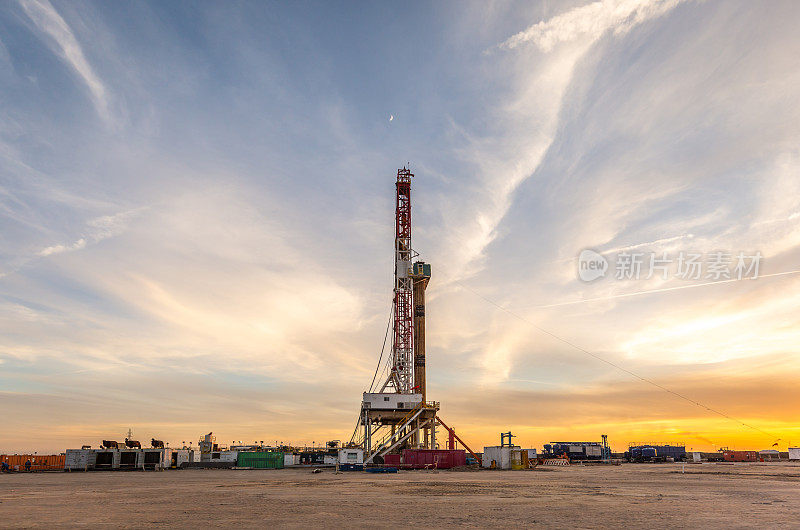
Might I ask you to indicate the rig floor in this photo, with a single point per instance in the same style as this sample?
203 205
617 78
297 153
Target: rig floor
632 495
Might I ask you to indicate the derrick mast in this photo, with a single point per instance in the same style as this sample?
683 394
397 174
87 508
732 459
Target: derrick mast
401 376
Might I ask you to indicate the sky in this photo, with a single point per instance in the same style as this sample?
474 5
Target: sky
196 217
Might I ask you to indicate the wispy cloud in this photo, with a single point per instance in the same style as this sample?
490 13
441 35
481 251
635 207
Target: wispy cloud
100 228
588 23
657 243
531 117
58 249
47 19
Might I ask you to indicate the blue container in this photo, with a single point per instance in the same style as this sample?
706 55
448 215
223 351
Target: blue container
675 451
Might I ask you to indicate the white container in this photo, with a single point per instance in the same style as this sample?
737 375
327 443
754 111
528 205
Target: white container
154 458
290 460
128 459
225 456
794 453
351 456
105 459
180 457
220 456
79 459
501 455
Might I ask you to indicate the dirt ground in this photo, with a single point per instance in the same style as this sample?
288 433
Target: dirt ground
630 495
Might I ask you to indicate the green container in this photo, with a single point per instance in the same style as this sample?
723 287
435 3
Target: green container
260 460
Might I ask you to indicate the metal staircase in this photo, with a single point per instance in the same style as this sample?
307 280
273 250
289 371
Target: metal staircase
393 439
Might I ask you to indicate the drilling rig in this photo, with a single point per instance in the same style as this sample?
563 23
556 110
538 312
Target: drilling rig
399 416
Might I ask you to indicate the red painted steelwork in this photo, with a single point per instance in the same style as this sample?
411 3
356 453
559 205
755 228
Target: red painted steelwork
391 460
403 305
434 458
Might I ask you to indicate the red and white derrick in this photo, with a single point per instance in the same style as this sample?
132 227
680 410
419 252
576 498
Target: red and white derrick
401 375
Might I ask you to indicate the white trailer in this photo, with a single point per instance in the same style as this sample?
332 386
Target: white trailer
351 456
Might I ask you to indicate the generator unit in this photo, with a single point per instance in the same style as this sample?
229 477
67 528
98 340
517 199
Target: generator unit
656 453
575 451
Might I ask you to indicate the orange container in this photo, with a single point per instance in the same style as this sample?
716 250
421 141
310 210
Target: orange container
38 462
740 456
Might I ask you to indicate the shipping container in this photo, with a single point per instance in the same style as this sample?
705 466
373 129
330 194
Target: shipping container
38 462
48 462
677 452
433 458
740 456
794 453
290 459
392 459
260 459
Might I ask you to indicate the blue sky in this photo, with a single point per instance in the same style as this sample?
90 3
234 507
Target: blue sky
196 211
